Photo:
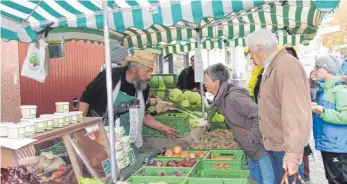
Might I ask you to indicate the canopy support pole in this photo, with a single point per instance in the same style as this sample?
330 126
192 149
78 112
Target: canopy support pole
198 40
109 91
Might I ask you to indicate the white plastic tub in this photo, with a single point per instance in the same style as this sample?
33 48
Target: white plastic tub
41 125
13 131
62 107
28 111
21 134
3 128
29 128
73 117
65 116
79 116
58 121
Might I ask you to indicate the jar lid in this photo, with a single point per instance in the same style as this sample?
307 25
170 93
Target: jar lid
27 119
13 126
62 114
46 115
28 106
61 103
30 123
21 125
41 119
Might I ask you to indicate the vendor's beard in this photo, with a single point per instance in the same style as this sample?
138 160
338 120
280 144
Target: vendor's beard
139 84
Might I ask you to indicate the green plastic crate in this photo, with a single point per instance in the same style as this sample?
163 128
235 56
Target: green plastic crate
215 126
178 121
165 160
164 77
197 173
153 179
190 151
169 171
219 165
216 181
236 155
162 94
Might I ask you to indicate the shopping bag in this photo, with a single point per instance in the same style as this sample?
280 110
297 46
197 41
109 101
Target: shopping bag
34 64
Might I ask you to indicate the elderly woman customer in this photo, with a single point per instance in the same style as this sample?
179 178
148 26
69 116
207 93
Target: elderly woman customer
241 114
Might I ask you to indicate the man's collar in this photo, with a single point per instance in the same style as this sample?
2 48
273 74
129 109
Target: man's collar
270 58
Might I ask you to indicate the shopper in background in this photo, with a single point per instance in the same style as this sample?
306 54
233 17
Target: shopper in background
241 115
285 129
330 119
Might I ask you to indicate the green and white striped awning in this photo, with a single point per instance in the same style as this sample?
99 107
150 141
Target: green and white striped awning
295 18
161 23
27 17
284 39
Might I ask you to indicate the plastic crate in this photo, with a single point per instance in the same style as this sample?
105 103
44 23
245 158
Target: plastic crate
169 171
178 121
198 173
165 160
219 165
215 126
236 155
190 151
57 149
165 78
153 179
162 94
215 181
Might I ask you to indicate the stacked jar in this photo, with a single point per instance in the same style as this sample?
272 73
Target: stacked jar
62 110
31 124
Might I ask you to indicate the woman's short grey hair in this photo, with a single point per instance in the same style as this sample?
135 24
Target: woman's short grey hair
218 72
262 40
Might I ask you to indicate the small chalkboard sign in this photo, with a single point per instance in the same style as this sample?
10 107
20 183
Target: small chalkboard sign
106 164
56 50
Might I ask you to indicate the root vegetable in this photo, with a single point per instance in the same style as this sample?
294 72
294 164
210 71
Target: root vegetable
176 150
168 153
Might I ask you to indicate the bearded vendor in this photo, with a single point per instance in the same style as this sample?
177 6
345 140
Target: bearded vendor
129 81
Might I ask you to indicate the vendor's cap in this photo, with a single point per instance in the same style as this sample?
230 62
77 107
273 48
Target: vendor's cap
118 53
143 57
329 63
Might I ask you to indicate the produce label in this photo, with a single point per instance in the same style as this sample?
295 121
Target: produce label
106 165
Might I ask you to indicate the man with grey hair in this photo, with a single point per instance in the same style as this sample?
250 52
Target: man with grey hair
129 81
284 103
330 118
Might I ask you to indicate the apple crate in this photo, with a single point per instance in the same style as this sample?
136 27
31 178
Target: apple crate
154 179
178 121
219 165
166 160
199 172
230 155
164 171
206 153
170 80
216 181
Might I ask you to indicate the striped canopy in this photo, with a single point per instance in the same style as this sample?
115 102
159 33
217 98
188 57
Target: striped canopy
162 24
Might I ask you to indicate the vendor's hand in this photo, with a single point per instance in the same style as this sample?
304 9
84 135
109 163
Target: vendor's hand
291 167
168 131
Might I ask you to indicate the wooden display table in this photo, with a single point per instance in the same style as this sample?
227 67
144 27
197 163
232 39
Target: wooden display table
9 157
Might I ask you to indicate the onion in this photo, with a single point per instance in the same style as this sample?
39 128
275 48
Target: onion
176 150
191 155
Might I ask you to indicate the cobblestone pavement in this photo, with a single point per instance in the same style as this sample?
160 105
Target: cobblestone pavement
317 173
